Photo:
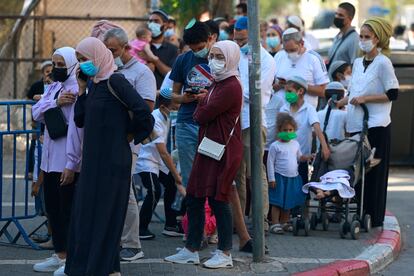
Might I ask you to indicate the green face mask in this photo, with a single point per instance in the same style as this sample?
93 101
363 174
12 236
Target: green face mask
287 136
291 97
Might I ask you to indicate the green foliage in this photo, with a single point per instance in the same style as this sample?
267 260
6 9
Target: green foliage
184 10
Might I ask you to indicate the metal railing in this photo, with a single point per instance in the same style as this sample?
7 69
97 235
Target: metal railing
14 154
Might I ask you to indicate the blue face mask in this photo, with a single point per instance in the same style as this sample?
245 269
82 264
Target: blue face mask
245 49
88 68
273 42
223 35
202 53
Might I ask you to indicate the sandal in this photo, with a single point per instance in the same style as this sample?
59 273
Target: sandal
276 229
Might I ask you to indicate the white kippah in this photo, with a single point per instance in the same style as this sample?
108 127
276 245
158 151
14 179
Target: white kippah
335 86
290 31
296 21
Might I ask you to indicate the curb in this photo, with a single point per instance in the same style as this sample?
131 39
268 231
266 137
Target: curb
372 260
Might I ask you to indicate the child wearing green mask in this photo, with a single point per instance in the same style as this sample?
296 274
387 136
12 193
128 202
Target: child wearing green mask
307 119
285 183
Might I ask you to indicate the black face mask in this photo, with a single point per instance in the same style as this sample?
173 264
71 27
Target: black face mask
339 22
60 74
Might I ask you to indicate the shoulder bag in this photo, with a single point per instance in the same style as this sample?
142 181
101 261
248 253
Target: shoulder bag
211 148
55 121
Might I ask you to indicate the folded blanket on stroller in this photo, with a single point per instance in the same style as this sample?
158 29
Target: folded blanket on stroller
333 180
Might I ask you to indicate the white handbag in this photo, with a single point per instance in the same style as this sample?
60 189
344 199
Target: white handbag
211 148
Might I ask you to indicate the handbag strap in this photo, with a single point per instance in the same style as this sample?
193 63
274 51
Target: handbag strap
232 130
115 94
339 45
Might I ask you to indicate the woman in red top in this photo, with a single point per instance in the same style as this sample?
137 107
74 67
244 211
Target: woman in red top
217 114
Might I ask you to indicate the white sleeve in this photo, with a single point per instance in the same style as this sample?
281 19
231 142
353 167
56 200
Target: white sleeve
268 70
160 132
271 157
387 75
299 152
320 74
167 82
312 115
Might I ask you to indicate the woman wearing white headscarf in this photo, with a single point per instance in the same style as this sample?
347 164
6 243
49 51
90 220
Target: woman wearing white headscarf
58 166
217 114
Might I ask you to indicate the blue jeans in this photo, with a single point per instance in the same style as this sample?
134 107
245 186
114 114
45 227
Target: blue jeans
187 142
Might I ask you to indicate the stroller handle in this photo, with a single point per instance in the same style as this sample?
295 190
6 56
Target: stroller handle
366 116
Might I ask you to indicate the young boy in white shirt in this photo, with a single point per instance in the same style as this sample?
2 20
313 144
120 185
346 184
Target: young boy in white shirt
155 166
307 119
336 124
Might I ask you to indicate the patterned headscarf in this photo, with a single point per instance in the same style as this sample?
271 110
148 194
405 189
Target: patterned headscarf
383 30
100 28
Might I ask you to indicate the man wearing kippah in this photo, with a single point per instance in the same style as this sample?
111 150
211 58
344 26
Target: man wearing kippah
296 60
165 53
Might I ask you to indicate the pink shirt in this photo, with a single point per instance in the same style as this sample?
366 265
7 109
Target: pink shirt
63 152
137 46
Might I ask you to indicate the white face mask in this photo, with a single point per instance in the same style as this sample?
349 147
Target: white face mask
155 29
366 46
295 56
217 66
346 81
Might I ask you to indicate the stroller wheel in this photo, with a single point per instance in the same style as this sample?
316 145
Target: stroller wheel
325 221
367 223
295 227
355 229
313 221
343 229
306 226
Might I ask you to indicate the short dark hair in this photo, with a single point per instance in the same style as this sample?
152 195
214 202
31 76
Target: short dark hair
199 32
242 6
163 101
297 86
284 118
229 29
350 9
341 69
213 26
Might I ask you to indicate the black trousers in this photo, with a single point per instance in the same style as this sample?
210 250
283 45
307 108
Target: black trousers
376 181
58 202
196 220
152 183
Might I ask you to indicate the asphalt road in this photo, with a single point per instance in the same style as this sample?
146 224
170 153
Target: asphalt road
401 203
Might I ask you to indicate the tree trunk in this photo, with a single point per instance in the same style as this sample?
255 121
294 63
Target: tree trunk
221 8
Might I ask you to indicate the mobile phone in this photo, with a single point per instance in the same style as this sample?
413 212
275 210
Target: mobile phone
82 76
193 90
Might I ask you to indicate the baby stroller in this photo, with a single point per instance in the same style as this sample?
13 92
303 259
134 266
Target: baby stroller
354 155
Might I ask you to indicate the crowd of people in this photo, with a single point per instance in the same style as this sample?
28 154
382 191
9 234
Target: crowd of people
158 110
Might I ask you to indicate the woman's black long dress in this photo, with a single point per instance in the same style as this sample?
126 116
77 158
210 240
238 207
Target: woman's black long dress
102 192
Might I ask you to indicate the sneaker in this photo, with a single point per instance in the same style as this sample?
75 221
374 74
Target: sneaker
47 245
131 254
146 235
50 265
219 260
174 231
184 256
60 271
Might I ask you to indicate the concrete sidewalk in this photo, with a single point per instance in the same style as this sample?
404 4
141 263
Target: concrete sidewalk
323 252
